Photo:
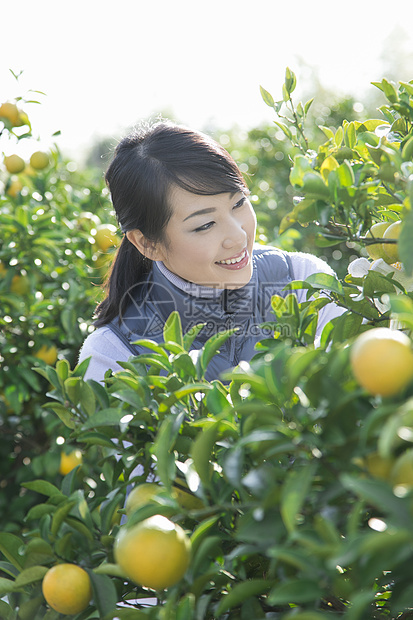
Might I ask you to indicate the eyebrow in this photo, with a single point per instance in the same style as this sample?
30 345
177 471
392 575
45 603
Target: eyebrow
209 209
201 212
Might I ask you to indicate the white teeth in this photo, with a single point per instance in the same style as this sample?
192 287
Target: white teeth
232 261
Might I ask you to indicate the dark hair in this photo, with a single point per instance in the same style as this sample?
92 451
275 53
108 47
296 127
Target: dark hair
147 163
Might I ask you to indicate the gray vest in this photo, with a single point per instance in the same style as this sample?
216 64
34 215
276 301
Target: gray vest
151 302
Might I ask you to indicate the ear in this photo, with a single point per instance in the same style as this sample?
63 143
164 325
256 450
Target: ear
148 248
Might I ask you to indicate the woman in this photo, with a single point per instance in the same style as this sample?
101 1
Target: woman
188 245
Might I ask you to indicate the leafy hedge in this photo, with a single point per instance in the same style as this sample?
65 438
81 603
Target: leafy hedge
287 514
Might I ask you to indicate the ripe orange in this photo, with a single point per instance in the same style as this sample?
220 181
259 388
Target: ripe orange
155 553
14 164
106 237
375 250
140 495
10 112
67 588
47 354
390 249
39 160
69 461
382 361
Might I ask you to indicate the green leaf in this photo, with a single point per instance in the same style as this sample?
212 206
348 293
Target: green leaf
314 186
307 105
30 575
105 595
63 413
63 369
380 495
87 398
345 174
191 334
104 417
405 242
290 81
96 439
43 487
350 138
6 585
326 282
295 591
241 592
300 168
60 515
327 132
163 447
202 452
286 131
10 546
267 97
172 330
211 348
296 486
6 612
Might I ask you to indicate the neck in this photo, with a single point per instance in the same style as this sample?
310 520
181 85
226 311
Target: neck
196 290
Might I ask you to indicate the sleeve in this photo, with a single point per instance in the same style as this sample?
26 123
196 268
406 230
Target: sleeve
303 266
105 350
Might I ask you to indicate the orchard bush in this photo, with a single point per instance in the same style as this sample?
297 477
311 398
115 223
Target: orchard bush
50 269
292 479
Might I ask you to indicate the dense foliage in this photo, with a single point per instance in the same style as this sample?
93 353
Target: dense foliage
297 482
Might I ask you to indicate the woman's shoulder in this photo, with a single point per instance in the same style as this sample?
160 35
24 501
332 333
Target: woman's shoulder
305 264
300 264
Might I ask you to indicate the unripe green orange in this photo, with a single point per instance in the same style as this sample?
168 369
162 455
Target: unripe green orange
39 160
375 250
14 164
390 249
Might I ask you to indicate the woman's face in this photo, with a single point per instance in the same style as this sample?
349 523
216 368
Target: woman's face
209 239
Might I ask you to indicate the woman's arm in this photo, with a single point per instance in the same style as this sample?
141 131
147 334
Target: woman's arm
105 350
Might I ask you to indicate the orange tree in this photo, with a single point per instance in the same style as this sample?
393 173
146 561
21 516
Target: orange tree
49 264
299 474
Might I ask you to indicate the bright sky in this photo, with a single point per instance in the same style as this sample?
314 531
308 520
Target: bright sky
106 64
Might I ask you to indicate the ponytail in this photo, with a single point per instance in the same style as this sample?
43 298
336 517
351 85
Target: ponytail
128 268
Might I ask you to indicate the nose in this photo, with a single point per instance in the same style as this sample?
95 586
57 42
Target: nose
235 236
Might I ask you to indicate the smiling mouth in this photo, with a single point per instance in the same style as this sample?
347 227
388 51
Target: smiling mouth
233 261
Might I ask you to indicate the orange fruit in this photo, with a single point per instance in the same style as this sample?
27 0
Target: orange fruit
39 160
67 588
154 553
47 354
382 361
106 237
140 495
375 250
69 461
10 112
390 249
14 164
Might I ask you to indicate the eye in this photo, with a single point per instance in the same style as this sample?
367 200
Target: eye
239 203
204 227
